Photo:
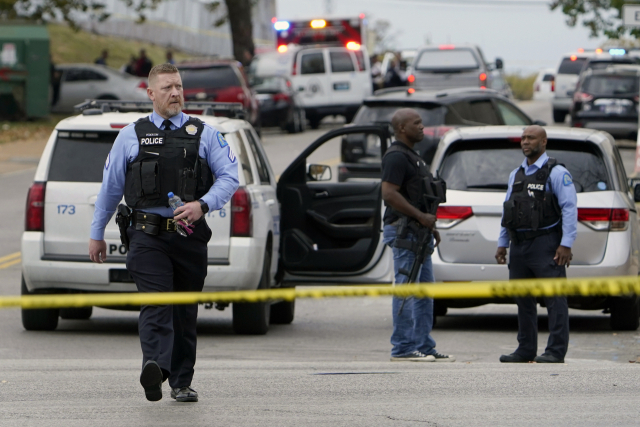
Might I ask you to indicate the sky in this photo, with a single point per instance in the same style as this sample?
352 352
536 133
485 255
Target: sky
524 33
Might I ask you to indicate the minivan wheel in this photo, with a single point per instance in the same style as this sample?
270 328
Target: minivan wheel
625 313
76 313
559 116
41 319
252 318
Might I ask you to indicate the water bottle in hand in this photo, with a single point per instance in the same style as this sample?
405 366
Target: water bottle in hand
182 226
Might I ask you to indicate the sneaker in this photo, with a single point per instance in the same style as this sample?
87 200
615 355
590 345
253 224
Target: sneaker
414 356
184 394
444 357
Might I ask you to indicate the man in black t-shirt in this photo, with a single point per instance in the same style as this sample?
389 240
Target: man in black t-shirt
411 339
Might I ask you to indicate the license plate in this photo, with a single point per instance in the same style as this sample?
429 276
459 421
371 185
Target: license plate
614 109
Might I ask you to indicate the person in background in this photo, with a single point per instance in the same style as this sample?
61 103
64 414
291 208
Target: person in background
143 64
102 60
169 56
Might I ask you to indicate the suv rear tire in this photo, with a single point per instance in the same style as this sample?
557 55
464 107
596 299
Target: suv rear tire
76 313
39 319
252 318
625 313
559 116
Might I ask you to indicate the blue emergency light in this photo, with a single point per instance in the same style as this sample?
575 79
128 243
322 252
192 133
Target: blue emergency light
617 51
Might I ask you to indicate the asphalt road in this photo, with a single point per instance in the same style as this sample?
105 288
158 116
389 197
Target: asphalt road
330 367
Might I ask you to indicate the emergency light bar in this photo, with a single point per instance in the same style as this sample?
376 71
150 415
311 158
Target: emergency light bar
344 32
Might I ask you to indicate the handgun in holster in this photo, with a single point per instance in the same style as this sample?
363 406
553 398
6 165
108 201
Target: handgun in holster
123 219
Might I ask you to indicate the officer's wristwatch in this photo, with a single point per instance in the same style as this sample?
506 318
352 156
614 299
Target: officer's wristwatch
204 206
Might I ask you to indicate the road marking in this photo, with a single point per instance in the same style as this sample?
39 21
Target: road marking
10 256
10 263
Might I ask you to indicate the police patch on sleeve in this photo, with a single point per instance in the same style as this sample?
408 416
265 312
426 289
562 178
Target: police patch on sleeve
566 179
223 142
108 162
231 155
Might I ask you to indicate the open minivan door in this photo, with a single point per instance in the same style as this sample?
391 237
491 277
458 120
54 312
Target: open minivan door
330 230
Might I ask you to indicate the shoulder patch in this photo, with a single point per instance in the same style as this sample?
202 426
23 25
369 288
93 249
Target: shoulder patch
231 155
566 179
223 142
108 162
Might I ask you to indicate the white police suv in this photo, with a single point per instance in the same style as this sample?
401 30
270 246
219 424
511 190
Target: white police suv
329 231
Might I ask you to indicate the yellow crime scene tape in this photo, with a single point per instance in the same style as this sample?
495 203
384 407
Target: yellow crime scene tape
606 286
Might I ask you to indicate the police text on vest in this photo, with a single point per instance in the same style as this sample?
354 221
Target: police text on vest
152 141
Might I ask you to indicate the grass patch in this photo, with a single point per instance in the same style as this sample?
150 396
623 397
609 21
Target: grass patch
522 86
29 130
68 46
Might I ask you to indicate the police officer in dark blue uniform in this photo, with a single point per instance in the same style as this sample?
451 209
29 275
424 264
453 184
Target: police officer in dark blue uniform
403 176
168 151
540 219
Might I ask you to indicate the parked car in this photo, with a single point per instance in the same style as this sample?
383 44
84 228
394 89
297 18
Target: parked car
440 112
565 82
476 162
332 80
280 104
545 85
607 99
452 66
314 230
603 60
220 81
79 82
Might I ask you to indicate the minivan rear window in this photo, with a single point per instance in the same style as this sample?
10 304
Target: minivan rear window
80 156
610 85
447 59
567 66
209 78
485 165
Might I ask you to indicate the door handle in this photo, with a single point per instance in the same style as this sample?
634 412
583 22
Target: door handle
270 202
321 194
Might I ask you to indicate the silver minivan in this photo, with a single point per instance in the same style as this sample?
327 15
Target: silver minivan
452 66
476 162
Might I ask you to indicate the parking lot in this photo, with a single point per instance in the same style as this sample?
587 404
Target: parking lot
329 367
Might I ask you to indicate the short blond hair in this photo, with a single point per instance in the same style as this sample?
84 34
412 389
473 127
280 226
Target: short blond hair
161 69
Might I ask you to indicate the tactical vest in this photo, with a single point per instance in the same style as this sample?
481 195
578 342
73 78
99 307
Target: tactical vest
531 206
168 161
421 184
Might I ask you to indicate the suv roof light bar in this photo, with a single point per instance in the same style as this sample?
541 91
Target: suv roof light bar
99 106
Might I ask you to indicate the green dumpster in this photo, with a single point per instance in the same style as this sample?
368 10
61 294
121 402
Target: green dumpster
24 70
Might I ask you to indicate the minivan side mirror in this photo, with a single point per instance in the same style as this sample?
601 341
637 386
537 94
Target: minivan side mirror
499 64
636 193
319 172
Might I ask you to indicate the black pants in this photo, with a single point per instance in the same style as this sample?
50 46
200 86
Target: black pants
169 262
534 259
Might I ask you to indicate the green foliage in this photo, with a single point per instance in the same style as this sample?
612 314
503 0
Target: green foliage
601 17
522 87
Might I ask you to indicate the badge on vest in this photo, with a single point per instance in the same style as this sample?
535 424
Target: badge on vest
223 142
191 130
152 141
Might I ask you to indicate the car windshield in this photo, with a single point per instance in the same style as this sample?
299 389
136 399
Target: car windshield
209 78
431 114
486 165
80 156
611 85
268 84
447 59
571 66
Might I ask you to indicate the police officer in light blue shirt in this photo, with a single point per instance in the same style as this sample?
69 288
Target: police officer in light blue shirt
540 220
168 151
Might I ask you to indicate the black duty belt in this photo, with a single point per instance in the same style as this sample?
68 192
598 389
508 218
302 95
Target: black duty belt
521 236
155 224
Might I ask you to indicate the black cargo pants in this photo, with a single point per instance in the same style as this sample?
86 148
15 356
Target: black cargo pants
169 262
534 259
